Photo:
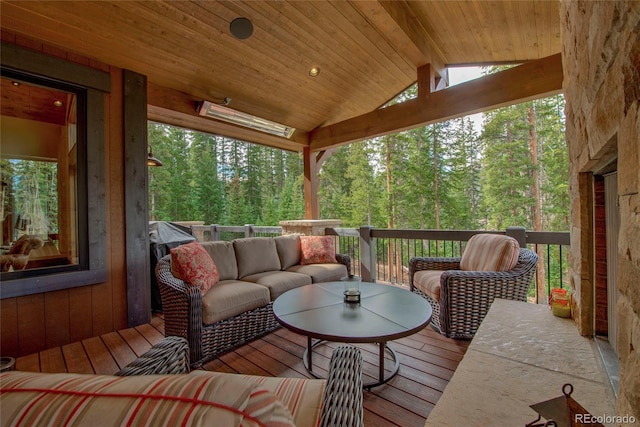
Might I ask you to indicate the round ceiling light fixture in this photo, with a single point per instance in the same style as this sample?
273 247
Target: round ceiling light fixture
314 71
241 28
58 103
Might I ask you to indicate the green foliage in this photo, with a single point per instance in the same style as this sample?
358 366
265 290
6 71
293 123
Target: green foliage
506 172
221 181
447 176
34 186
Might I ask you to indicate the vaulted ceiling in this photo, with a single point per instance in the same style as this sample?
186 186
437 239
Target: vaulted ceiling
367 51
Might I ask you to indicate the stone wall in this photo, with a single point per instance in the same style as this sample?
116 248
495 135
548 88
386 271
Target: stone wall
601 61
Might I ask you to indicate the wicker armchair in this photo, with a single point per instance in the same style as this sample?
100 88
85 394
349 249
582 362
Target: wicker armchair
169 356
465 296
341 402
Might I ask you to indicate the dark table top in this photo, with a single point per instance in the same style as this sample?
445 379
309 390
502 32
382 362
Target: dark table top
385 312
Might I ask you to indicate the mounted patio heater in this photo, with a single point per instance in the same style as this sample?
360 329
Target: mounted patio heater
219 112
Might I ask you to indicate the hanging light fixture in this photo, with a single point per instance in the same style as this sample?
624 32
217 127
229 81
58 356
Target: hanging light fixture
151 160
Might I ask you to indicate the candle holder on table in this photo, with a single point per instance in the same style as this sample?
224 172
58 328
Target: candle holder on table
351 288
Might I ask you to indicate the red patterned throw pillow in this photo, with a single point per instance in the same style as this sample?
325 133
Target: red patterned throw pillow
192 263
317 250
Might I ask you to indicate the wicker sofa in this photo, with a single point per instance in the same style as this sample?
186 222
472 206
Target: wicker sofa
253 272
461 290
147 395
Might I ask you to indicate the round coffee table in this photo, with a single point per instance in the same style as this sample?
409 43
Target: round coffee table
384 313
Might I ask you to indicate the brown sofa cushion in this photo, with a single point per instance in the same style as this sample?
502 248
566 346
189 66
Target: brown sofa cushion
230 298
279 282
256 255
288 250
224 256
321 272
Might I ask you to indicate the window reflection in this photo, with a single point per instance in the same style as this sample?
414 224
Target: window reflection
38 167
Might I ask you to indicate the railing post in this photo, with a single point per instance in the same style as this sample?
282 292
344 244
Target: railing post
518 233
215 232
367 254
248 230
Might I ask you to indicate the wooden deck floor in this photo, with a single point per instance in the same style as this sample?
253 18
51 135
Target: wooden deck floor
427 362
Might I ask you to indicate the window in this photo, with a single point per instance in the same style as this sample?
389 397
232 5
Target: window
39 171
52 172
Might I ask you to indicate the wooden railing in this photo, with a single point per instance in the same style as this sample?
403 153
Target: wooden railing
379 254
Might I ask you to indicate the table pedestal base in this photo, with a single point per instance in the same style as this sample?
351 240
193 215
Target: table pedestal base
307 360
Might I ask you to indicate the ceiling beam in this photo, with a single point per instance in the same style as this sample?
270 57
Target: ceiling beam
178 108
397 22
531 80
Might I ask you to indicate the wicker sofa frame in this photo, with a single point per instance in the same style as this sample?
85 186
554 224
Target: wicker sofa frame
341 402
182 307
465 296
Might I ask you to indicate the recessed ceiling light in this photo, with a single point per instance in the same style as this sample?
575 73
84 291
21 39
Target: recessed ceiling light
15 83
314 71
57 103
241 28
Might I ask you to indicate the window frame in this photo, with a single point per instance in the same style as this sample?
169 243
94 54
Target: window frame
92 234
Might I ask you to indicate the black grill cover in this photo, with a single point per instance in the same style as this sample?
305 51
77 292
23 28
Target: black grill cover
163 236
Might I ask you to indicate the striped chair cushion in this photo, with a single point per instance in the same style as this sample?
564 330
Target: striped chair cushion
206 399
490 252
428 281
301 396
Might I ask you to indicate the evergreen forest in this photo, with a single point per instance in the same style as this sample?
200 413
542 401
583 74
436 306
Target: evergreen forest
511 170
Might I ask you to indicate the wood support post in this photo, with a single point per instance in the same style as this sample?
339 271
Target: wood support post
311 206
429 80
367 254
136 196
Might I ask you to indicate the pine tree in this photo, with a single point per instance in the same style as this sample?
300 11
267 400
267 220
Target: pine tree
507 168
208 189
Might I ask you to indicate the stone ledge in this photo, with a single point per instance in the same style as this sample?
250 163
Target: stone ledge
308 227
521 355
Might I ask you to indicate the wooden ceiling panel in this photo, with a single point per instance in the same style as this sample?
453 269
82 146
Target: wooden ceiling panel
26 101
368 51
479 31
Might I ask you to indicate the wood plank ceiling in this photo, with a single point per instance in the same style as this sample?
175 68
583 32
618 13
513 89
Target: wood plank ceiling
367 51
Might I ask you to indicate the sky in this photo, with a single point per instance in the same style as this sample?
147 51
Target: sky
464 74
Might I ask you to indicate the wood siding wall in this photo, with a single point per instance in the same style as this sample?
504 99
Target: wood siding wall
36 322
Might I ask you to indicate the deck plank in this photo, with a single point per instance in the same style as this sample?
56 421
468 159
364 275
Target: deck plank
29 363
427 363
242 365
76 359
150 333
138 343
100 357
272 365
394 414
119 349
51 360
